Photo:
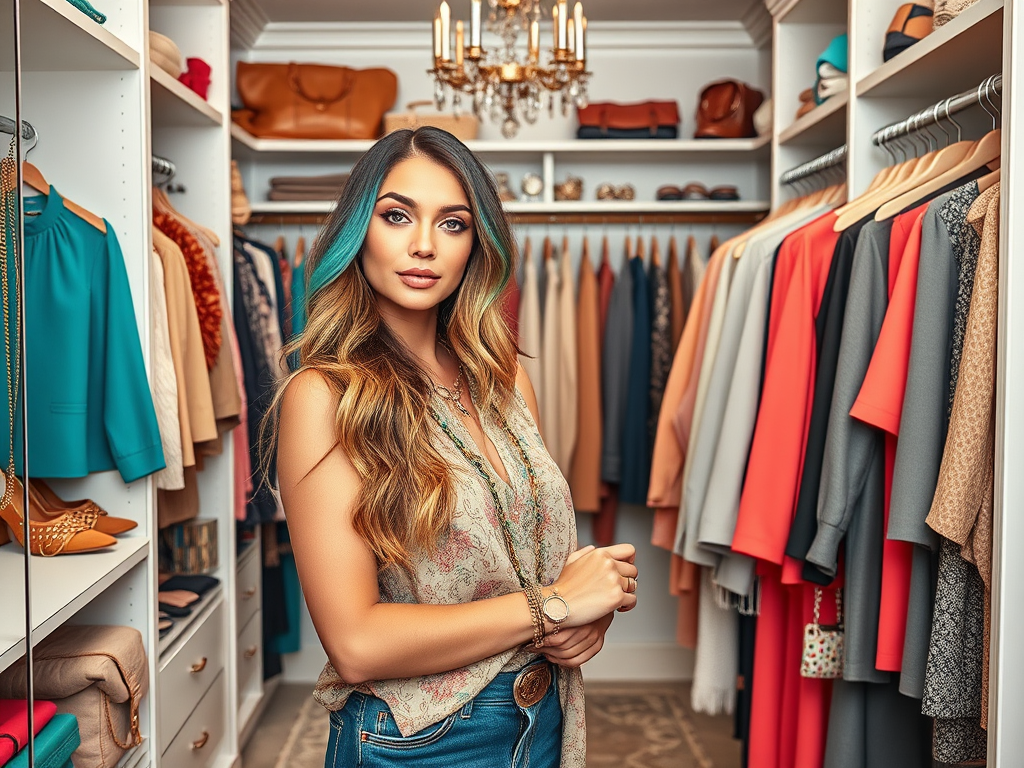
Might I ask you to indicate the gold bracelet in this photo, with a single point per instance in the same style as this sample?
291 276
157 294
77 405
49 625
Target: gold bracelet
536 598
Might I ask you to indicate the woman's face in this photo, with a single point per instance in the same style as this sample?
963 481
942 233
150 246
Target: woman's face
419 239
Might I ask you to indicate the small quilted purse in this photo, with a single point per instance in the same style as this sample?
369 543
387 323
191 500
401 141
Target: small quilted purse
823 646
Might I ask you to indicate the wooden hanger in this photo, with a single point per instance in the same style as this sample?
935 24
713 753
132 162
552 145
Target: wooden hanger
279 244
300 251
988 180
547 249
565 248
629 247
605 259
673 251
586 247
655 252
985 152
162 202
712 244
34 178
639 252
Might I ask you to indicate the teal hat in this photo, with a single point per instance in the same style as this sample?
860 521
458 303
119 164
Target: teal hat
836 54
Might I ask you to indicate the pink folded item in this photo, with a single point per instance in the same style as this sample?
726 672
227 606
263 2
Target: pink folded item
14 724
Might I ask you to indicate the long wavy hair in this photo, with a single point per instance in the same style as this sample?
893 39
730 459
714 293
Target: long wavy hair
382 423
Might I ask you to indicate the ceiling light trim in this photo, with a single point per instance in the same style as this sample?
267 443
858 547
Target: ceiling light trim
602 35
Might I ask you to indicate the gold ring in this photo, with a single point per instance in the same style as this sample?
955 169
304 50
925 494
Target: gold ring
630 585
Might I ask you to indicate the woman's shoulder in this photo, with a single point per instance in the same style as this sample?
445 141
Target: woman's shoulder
524 391
308 405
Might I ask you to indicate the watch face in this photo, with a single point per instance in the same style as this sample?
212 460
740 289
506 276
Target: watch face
532 184
555 608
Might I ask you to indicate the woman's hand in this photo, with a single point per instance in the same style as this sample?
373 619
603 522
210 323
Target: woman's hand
574 646
594 583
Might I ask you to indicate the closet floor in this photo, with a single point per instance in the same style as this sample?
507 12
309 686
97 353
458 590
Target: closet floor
629 725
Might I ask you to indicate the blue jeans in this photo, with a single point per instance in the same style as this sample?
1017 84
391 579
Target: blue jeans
490 731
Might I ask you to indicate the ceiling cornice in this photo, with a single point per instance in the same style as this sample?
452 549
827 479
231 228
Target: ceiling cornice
758 23
248 21
609 35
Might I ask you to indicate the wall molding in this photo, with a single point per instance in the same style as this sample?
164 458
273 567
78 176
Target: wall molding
758 23
414 36
248 21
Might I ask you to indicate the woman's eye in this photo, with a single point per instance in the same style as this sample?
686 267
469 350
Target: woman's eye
395 216
454 225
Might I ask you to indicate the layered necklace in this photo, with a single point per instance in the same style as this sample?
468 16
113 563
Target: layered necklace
453 395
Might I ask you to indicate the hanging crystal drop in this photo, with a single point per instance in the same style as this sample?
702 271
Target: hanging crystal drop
438 95
457 104
510 128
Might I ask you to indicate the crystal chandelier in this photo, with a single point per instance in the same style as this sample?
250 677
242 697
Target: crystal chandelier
501 84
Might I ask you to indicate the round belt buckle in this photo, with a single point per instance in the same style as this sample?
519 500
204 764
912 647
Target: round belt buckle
531 685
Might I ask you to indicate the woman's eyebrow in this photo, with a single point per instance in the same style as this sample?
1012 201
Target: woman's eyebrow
408 201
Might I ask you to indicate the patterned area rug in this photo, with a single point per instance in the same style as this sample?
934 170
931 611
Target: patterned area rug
629 726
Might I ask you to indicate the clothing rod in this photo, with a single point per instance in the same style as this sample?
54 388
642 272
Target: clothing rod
594 219
939 111
163 166
829 160
28 132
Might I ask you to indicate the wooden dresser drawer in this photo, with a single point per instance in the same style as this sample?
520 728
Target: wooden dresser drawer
188 674
247 587
199 740
250 656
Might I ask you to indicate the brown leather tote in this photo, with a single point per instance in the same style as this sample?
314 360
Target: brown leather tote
313 101
726 110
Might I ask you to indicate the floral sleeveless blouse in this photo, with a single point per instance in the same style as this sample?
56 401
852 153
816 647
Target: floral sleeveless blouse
472 563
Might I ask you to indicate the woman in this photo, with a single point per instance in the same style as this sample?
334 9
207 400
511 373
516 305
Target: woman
434 535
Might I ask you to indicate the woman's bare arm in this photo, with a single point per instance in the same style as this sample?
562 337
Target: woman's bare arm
364 638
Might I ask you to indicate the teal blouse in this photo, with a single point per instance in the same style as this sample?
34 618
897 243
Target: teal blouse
89 402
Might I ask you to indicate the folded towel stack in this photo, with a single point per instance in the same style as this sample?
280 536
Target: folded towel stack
297 188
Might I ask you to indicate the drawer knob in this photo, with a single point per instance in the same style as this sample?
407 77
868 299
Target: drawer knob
249 593
199 666
201 741
251 651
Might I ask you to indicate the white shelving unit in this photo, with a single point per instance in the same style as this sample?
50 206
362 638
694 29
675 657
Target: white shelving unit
101 109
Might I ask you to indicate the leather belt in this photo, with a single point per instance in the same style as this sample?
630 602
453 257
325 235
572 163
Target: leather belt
531 684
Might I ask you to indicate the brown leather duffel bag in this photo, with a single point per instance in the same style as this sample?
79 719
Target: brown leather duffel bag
313 101
726 110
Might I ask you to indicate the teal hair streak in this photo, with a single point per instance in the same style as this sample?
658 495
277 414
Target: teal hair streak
506 261
342 251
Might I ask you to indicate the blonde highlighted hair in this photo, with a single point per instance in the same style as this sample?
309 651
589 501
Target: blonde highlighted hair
383 424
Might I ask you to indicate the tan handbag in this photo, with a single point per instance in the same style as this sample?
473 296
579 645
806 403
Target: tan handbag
313 101
464 127
726 110
97 673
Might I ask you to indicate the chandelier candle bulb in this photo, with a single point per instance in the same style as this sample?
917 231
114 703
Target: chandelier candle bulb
437 37
563 25
474 25
581 49
534 41
570 34
577 43
459 43
554 25
446 31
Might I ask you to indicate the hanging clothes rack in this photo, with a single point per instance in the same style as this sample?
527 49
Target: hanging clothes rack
835 158
166 169
940 111
28 132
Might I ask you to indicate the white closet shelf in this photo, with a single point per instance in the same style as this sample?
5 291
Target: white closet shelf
825 125
578 206
955 56
136 757
678 146
57 37
60 587
183 623
175 104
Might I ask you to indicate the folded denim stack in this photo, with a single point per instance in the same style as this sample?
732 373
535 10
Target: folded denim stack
303 188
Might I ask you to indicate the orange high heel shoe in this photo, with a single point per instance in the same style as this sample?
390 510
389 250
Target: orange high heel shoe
64 535
52 506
